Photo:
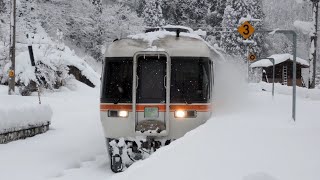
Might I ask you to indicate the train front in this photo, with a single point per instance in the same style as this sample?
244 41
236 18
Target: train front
153 93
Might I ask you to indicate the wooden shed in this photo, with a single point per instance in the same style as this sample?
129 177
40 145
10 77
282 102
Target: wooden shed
283 69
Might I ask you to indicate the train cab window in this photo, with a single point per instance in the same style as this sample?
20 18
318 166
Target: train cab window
117 81
190 80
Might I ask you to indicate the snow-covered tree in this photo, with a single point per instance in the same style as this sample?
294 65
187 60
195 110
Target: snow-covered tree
120 21
231 41
197 15
27 16
4 39
216 11
152 13
80 22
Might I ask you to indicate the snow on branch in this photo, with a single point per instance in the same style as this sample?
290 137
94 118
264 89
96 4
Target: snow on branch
248 18
274 31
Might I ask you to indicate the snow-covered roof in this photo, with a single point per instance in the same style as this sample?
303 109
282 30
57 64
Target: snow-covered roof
279 58
187 44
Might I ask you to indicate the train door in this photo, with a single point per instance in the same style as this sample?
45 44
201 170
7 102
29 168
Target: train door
151 97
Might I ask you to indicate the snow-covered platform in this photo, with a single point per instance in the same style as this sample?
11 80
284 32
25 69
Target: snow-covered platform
21 118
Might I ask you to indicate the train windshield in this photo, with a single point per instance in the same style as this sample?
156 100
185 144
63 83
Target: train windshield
190 80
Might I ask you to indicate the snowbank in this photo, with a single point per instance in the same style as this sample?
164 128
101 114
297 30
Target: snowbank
313 94
278 58
17 114
259 142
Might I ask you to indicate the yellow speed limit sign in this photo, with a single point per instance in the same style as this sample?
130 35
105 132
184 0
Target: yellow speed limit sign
246 30
252 57
11 73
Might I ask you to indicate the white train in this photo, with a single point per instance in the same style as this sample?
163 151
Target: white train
155 88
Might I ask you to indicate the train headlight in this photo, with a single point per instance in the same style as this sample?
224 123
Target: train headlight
123 113
120 113
180 114
185 114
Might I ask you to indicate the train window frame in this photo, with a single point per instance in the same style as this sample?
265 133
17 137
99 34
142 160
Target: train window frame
205 63
116 97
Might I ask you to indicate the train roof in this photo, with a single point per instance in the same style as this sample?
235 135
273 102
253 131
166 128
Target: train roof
186 44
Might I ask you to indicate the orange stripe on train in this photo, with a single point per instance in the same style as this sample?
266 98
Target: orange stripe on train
162 108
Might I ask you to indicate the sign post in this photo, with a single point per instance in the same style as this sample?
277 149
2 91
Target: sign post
294 66
246 30
33 64
12 81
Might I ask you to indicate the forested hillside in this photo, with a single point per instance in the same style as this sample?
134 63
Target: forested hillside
89 26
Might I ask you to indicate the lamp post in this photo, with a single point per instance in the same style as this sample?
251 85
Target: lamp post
313 47
11 82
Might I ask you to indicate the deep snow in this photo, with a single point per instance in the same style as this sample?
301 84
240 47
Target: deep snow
75 140
250 137
18 113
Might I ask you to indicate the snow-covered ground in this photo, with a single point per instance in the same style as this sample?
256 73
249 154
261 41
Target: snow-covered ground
75 140
18 113
256 140
249 138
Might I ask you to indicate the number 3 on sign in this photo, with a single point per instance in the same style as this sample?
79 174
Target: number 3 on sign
246 27
246 30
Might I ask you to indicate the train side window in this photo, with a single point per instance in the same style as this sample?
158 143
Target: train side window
190 80
117 85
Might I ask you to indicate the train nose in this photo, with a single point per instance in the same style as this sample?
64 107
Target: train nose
151 126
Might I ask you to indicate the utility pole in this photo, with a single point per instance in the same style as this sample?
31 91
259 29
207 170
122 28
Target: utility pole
313 47
12 55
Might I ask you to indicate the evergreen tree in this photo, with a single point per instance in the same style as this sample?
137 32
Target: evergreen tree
190 13
232 42
152 13
198 13
215 14
169 11
229 40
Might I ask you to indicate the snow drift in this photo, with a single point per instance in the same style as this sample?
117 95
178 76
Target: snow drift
17 114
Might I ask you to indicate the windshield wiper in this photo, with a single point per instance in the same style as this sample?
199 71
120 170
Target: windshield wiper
121 95
183 94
